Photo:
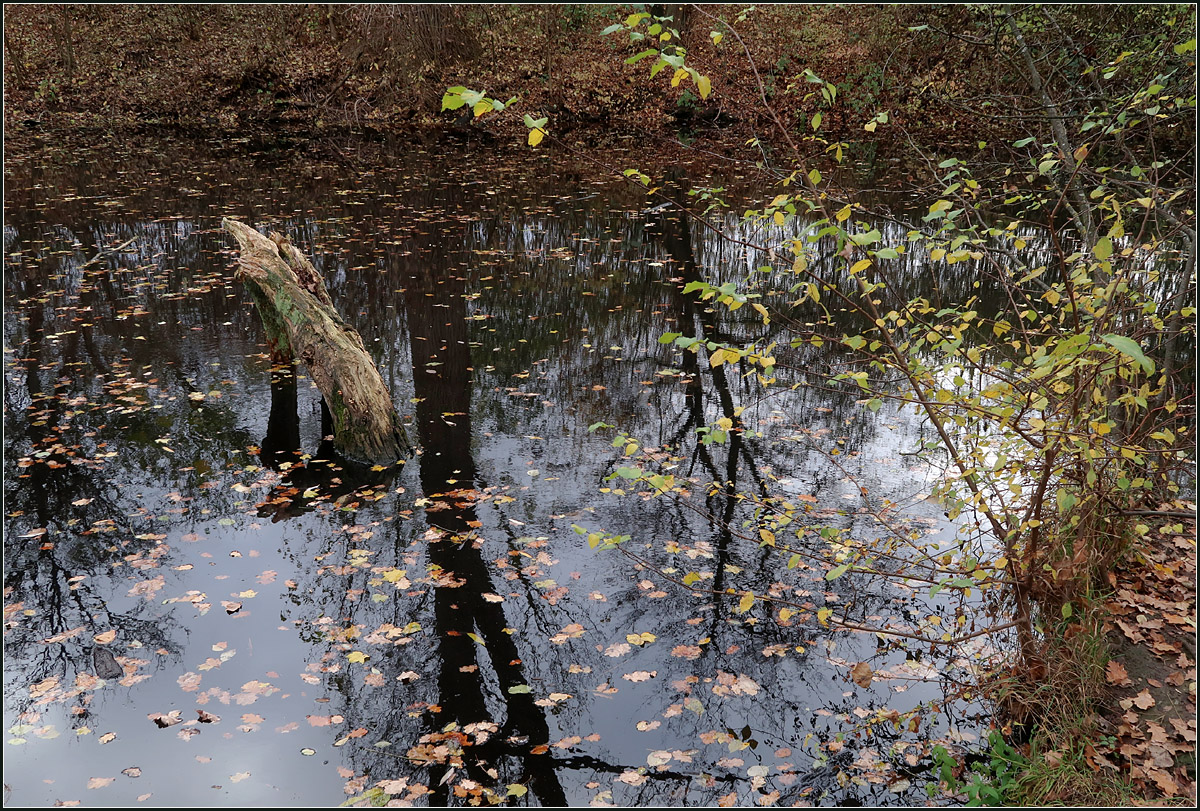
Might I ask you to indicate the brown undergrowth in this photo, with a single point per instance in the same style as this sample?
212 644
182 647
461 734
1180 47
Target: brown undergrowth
1111 717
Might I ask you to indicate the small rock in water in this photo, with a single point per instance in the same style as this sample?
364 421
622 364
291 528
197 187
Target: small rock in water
106 664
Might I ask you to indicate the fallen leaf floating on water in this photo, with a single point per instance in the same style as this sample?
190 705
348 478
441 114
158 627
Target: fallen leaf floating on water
862 674
640 675
99 782
168 720
105 638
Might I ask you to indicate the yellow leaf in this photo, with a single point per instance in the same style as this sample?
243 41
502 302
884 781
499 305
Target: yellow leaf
860 265
704 85
482 107
823 615
785 614
724 423
768 536
745 603
844 214
870 127
679 76
535 136
357 656
644 638
779 218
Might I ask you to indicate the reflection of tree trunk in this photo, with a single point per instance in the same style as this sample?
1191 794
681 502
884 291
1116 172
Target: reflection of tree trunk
677 239
697 320
438 325
283 425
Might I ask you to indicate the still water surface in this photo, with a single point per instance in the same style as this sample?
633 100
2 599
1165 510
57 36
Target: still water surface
199 610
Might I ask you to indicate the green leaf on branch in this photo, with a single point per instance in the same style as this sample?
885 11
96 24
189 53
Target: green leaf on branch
1129 348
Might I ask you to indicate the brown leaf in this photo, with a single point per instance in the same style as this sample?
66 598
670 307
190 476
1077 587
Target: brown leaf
1144 700
1117 674
862 674
106 637
1168 786
99 782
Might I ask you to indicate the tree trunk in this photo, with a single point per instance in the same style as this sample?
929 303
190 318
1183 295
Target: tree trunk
300 321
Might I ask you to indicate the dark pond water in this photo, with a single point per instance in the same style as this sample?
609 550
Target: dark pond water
200 610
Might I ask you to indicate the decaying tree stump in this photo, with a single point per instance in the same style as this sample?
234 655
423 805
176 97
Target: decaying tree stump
301 322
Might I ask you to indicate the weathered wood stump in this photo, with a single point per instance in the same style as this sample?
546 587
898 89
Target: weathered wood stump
301 322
